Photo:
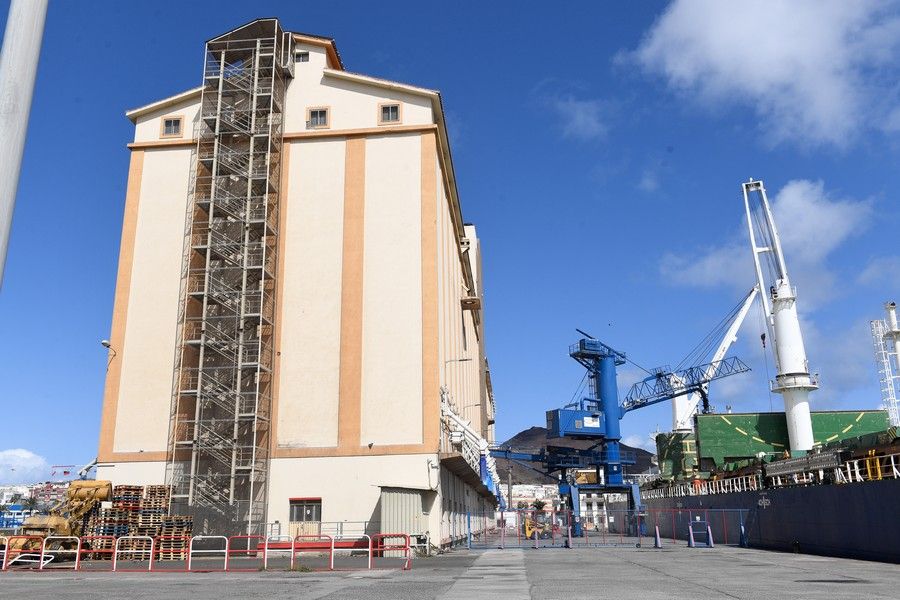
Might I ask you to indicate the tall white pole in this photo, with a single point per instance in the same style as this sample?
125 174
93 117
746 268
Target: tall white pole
18 69
793 380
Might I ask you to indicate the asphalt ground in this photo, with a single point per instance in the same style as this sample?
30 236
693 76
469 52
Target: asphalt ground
514 574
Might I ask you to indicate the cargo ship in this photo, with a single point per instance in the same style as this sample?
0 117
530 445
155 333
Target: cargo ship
843 499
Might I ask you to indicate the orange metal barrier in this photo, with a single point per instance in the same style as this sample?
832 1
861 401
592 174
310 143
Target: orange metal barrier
54 553
299 546
21 551
87 548
380 546
251 550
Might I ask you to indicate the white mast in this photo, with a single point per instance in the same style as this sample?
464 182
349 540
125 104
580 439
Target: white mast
886 336
18 68
684 407
793 380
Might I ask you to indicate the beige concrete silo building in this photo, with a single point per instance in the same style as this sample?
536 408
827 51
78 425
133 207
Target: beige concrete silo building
298 313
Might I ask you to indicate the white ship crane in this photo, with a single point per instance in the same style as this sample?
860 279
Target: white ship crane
886 337
793 380
685 407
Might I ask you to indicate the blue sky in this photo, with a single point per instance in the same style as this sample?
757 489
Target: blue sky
599 149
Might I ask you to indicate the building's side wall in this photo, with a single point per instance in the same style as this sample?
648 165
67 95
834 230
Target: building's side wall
137 404
348 486
312 229
370 322
391 403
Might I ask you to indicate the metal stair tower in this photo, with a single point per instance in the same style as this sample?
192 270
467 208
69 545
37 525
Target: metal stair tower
219 441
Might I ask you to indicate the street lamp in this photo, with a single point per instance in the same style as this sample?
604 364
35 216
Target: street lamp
109 348
454 360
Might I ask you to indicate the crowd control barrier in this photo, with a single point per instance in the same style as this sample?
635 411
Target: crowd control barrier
380 546
202 553
22 554
250 550
279 541
134 551
53 553
216 552
315 545
351 543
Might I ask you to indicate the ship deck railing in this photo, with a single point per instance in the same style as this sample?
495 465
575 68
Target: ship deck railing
854 470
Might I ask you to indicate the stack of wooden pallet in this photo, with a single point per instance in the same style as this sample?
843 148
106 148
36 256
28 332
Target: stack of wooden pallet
128 498
154 506
107 522
174 537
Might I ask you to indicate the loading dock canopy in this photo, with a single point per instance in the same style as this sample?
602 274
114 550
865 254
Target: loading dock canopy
456 464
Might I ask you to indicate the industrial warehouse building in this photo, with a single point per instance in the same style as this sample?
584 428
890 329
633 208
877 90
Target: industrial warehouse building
297 330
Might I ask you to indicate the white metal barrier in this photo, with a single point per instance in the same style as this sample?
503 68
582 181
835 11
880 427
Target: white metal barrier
361 536
60 538
278 539
3 551
222 551
119 550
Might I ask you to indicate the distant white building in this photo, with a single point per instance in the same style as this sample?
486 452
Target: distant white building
9 492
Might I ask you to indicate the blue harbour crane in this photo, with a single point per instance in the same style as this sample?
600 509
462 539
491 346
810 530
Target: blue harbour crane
596 417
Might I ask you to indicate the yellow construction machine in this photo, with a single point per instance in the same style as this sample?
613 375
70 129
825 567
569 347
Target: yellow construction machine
65 518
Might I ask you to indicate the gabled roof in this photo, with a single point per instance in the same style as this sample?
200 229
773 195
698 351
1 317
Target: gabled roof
134 113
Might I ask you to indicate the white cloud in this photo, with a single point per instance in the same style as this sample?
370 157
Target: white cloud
812 224
18 465
814 71
581 119
881 269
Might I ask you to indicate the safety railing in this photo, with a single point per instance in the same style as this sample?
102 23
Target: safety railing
134 551
380 545
218 552
183 554
99 549
315 545
21 553
279 540
53 553
339 544
248 551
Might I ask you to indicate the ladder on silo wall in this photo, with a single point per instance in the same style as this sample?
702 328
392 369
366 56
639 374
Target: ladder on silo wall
218 456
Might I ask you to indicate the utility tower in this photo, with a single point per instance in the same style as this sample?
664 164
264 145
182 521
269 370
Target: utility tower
886 339
793 380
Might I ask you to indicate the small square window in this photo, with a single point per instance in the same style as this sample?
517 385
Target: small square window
318 118
171 127
301 56
390 113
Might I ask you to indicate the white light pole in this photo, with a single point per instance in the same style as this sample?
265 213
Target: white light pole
18 69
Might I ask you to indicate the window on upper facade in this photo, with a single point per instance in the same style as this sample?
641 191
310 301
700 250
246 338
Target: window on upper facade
301 56
318 118
171 127
388 113
305 510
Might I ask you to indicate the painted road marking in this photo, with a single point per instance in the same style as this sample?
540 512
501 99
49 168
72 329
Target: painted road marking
498 573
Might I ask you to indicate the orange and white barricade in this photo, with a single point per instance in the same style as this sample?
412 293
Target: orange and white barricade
61 539
246 546
223 551
317 543
380 545
22 554
278 543
95 546
351 543
141 551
